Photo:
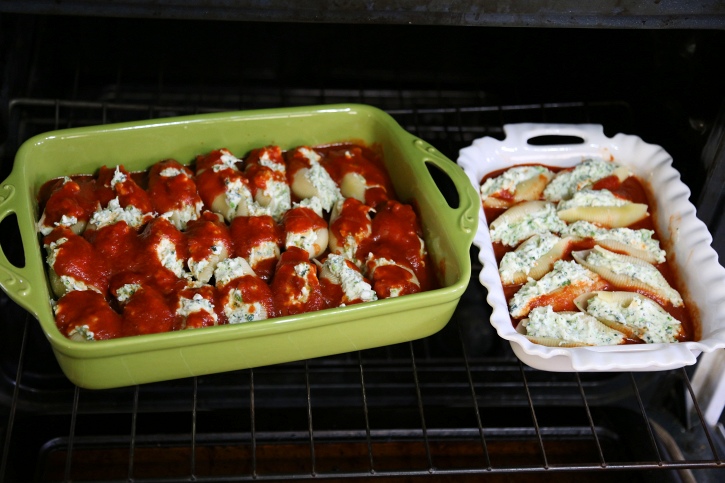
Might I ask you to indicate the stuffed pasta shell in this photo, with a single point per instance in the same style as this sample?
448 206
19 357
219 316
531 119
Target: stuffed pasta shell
583 175
257 239
308 178
70 204
196 307
121 199
74 264
222 187
521 183
164 251
173 193
209 242
306 229
359 174
84 315
390 278
350 227
342 282
246 299
295 287
267 173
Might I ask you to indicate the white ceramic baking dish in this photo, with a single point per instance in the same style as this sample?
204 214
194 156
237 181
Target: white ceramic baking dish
685 238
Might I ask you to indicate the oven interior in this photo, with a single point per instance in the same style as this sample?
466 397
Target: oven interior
454 406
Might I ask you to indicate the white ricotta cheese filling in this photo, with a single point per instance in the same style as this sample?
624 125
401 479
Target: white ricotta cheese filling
238 311
182 216
53 249
197 303
640 239
124 293
71 284
280 199
166 254
526 256
302 269
640 312
508 180
198 266
171 172
82 332
236 192
228 161
263 251
571 327
352 282
230 269
118 177
540 222
327 189
563 274
305 240
113 213
265 160
587 197
566 183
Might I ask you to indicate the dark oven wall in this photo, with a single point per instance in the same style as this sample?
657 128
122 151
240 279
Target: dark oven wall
457 404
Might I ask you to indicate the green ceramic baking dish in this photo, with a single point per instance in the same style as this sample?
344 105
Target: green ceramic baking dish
448 232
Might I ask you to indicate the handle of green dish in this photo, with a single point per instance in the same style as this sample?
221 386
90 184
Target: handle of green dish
466 213
17 282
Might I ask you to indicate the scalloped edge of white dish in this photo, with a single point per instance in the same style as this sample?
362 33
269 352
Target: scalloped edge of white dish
684 236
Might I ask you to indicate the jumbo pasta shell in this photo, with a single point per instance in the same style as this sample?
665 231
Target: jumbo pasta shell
532 188
546 341
582 303
539 266
619 247
607 216
518 211
633 314
648 280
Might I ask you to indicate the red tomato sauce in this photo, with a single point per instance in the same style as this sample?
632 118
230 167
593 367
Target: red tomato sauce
118 256
88 308
169 193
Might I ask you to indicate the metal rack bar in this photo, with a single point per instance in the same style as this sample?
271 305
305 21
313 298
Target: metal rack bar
591 420
645 419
